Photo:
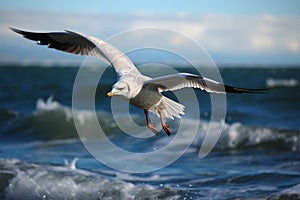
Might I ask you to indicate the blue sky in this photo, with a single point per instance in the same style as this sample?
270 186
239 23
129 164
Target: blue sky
251 7
232 31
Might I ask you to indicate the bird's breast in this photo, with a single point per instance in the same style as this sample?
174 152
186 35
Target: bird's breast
146 99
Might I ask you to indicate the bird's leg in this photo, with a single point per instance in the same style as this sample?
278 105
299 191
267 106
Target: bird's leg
164 125
150 126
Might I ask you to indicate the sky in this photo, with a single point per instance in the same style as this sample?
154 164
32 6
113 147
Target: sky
230 31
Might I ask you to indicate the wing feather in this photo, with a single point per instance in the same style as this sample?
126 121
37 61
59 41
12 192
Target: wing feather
75 43
186 80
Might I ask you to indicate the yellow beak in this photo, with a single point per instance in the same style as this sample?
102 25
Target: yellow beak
110 94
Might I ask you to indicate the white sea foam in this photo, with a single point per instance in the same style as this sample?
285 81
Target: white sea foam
72 164
237 135
32 181
52 105
271 82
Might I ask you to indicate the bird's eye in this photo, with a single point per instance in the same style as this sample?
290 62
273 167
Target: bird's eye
121 88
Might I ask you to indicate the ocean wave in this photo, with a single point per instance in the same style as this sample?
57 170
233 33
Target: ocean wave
21 180
271 82
54 121
236 136
288 194
53 110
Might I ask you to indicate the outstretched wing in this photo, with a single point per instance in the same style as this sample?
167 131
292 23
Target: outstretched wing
183 80
83 45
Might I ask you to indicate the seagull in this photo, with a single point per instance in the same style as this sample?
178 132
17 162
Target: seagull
142 91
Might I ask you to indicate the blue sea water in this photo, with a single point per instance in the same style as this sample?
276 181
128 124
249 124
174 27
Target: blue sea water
41 156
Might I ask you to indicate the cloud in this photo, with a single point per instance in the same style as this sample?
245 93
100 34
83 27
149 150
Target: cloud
227 35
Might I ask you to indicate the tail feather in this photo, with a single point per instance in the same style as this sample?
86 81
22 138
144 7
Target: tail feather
171 109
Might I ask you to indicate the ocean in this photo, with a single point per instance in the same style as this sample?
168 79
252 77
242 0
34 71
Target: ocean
42 156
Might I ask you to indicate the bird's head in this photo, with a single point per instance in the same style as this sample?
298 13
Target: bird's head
120 88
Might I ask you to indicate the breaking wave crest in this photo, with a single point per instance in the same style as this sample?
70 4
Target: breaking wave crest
52 121
21 180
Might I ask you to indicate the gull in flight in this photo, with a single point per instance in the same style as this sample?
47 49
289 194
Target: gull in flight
140 90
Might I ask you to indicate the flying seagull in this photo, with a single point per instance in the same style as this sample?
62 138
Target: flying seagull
140 90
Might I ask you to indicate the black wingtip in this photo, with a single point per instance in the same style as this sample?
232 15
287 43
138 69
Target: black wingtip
230 89
21 32
15 30
40 38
